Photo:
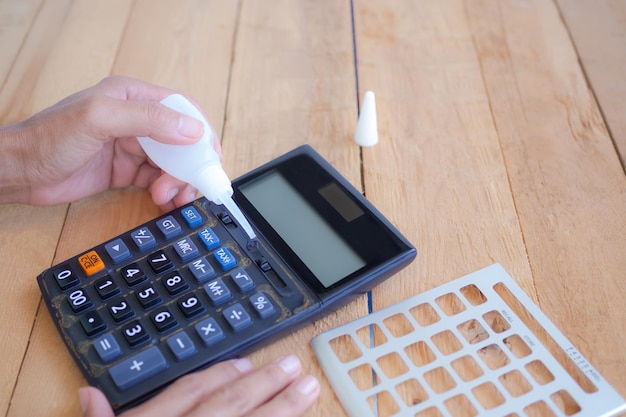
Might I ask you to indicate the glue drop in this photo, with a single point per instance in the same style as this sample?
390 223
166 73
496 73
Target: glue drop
197 164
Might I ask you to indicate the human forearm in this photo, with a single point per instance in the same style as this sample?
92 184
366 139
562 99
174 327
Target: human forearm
13 151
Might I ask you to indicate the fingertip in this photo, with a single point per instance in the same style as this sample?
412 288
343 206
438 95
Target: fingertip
93 403
308 386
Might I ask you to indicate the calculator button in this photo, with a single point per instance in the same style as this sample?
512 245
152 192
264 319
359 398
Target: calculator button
174 283
159 262
169 227
65 277
225 258
143 238
163 319
190 305
117 250
106 287
135 333
181 345
208 238
138 368
133 274
92 323
262 305
148 296
201 270
191 216
91 263
186 249
237 317
120 309
242 280
217 291
79 300
209 331
107 347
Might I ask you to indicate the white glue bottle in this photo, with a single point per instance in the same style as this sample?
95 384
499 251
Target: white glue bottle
197 164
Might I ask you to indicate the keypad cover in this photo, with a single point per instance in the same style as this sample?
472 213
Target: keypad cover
182 292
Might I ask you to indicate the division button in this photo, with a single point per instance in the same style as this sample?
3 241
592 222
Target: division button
107 347
138 368
169 227
91 263
237 317
181 345
117 250
209 331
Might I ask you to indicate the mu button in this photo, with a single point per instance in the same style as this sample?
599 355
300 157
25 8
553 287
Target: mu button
91 263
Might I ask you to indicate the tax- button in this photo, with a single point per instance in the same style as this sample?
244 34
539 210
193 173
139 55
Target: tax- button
138 368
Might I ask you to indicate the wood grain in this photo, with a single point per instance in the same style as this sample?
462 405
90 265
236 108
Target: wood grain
293 82
501 129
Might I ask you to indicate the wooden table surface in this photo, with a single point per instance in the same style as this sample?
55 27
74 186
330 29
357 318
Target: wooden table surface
502 139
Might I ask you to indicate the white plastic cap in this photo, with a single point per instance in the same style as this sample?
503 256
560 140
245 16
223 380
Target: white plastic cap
367 127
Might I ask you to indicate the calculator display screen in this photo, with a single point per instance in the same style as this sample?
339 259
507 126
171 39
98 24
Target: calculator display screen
307 233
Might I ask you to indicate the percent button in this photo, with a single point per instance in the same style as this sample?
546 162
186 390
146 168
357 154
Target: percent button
262 305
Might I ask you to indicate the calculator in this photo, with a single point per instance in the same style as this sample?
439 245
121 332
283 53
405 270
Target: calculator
191 288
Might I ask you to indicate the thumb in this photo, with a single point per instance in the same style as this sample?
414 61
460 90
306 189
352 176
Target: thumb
94 403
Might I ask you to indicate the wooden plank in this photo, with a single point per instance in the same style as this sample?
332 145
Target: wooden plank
598 30
292 83
567 181
16 18
190 33
80 53
29 234
438 145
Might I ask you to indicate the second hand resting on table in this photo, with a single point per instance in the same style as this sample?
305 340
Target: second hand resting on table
87 143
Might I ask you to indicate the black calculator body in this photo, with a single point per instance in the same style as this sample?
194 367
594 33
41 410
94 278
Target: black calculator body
190 288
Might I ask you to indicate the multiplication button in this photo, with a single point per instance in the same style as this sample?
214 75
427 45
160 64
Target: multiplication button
209 331
138 368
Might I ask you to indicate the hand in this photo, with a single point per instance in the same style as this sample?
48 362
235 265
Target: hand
227 389
87 143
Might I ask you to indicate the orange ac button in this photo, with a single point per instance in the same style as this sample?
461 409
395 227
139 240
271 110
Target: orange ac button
91 263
